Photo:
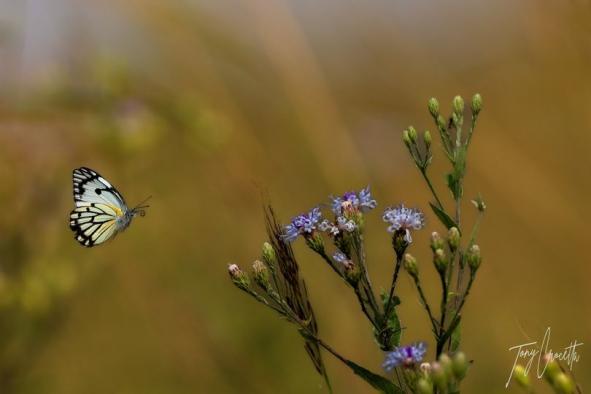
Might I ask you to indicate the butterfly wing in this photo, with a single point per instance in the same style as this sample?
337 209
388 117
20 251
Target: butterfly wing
99 208
91 187
93 224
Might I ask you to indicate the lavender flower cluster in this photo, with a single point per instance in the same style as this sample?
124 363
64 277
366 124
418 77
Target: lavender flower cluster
347 210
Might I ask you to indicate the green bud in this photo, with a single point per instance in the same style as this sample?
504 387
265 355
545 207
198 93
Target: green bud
521 377
440 260
458 105
261 274
269 256
441 123
473 257
406 138
352 272
412 133
552 369
410 265
439 376
453 238
424 386
564 384
476 104
238 276
315 242
459 365
445 363
436 241
427 138
433 105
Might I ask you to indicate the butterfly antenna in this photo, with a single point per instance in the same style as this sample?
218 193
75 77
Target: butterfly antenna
140 207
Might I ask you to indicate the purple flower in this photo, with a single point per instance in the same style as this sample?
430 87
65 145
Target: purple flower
302 224
405 356
404 219
361 201
340 257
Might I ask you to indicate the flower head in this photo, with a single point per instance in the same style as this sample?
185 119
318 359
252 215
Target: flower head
404 219
302 224
405 356
352 201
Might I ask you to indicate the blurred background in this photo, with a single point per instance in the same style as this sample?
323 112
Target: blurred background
206 105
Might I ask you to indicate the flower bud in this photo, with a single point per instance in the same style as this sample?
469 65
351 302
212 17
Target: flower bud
564 384
473 257
445 363
436 241
459 365
458 105
425 368
521 377
427 138
433 105
424 386
269 256
261 274
410 265
238 276
453 238
441 123
439 376
412 133
476 104
552 369
440 260
352 272
315 242
406 138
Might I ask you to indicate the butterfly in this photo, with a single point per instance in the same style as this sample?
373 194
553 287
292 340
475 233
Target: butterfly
101 212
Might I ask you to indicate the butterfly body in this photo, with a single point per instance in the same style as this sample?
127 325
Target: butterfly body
101 212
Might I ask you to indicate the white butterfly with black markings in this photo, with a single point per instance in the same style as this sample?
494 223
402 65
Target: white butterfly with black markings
101 212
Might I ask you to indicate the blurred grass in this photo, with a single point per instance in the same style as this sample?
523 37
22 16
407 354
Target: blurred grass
203 105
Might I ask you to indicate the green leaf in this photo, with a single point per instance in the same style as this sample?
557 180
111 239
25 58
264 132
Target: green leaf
378 382
388 337
456 337
443 217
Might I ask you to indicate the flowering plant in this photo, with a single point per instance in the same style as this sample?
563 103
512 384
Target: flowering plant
338 239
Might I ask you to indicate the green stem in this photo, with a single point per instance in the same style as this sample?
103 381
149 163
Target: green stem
433 192
389 302
426 305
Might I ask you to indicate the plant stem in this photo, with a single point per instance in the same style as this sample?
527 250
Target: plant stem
392 288
433 192
426 305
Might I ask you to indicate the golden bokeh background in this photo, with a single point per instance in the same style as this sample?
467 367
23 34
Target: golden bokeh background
208 104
